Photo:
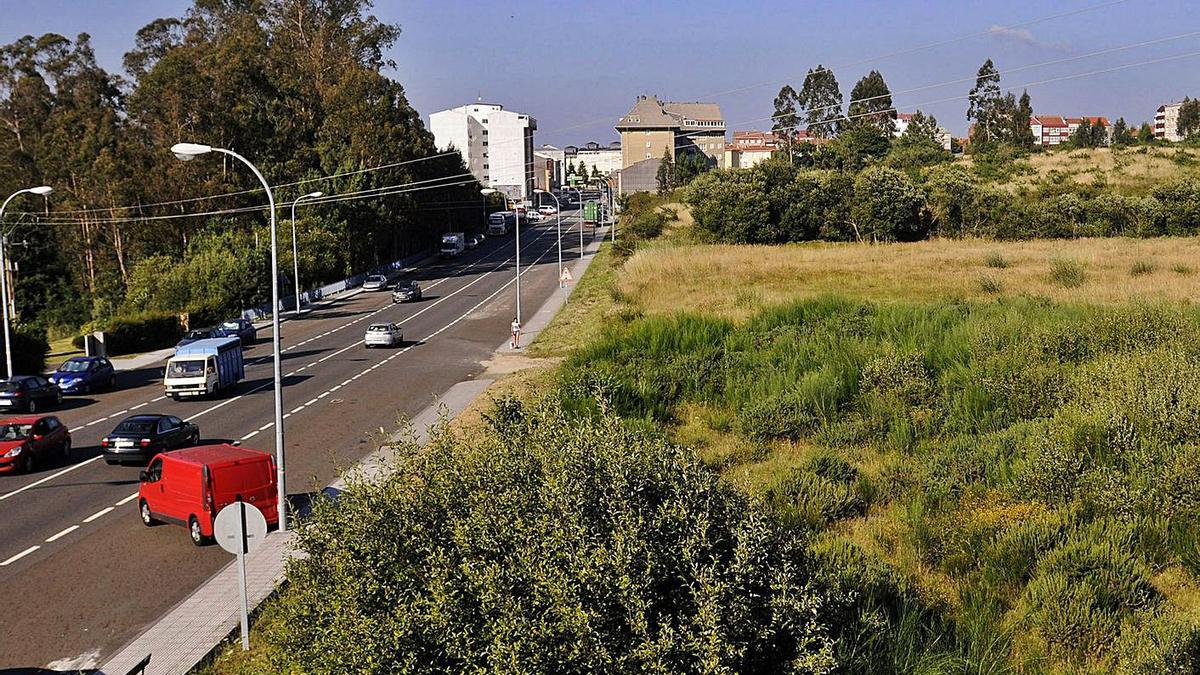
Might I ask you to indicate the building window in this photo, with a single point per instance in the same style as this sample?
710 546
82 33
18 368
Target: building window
485 165
485 144
647 144
647 155
484 122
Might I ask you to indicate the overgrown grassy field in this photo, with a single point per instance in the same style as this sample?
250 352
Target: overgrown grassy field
1131 171
738 281
990 443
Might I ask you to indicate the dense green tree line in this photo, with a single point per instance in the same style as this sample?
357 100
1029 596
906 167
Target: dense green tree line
295 85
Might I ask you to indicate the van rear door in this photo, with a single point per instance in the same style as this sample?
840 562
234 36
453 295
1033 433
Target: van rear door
253 479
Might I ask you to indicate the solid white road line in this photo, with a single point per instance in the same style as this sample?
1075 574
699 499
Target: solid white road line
62 534
50 477
18 556
98 514
128 499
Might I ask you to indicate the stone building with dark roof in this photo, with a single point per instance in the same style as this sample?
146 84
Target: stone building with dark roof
653 128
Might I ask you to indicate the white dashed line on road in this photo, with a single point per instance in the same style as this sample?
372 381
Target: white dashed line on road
98 514
62 534
128 499
18 556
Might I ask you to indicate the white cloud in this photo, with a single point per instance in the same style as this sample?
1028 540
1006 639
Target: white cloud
1024 37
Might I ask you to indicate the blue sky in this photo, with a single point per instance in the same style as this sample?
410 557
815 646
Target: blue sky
577 66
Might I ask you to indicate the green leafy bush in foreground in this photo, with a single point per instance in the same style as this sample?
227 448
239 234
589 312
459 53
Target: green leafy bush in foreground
549 544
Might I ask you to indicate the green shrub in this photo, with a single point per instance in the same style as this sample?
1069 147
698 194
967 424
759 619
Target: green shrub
30 348
135 333
1067 273
989 284
888 206
585 546
1182 269
1142 268
996 260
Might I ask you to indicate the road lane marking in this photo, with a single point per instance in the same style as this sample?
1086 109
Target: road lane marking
50 477
18 556
140 405
266 426
296 410
250 435
98 514
62 534
128 499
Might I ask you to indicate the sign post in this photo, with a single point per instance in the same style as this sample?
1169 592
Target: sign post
239 528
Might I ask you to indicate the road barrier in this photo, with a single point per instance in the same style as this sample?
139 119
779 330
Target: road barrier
288 303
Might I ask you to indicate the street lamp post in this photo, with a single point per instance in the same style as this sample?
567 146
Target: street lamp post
579 199
8 359
558 217
295 255
491 191
188 152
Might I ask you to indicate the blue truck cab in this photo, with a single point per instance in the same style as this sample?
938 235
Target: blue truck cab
204 367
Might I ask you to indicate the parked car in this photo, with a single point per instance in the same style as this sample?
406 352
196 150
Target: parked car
84 374
191 486
27 441
375 282
241 329
30 393
383 335
474 241
139 437
195 335
405 291
548 209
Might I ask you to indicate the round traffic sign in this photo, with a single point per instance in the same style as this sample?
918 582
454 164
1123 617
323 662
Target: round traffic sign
233 520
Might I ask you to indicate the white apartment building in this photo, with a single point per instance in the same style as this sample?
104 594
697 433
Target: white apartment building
606 158
496 144
900 125
1166 122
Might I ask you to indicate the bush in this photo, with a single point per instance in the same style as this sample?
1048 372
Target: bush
30 347
1180 202
1143 267
135 333
888 206
989 284
1067 273
996 260
549 544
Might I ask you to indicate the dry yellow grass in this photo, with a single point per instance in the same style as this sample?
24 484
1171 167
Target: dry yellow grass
1131 170
736 281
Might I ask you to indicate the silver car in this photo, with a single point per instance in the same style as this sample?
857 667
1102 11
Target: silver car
375 282
383 335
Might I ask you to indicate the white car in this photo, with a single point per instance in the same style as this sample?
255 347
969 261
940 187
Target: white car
547 210
383 335
375 282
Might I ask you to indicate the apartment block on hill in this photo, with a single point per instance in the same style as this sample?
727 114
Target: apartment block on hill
653 128
496 144
900 125
1166 122
1049 130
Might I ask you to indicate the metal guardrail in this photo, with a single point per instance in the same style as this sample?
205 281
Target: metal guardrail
313 295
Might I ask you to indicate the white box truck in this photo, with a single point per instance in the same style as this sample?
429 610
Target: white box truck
501 223
204 367
453 244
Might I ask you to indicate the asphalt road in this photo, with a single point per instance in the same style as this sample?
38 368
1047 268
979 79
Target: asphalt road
80 575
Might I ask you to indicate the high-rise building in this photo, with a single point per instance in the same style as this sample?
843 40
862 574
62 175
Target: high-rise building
496 144
1166 122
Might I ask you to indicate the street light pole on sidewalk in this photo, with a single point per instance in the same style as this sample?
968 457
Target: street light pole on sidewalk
295 254
579 199
558 216
8 359
188 152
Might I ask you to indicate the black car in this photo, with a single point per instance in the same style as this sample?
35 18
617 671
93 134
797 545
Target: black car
405 291
30 393
140 437
196 335
242 329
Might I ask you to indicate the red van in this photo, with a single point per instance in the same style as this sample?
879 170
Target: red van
190 486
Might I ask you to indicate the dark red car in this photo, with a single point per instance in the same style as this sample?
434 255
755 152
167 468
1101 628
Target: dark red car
30 440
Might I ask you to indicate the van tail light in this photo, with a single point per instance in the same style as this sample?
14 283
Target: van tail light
208 493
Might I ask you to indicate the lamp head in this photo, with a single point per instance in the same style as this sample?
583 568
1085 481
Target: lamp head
188 151
488 191
318 193
42 190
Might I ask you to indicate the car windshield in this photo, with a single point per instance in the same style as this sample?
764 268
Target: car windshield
135 427
378 328
75 367
188 368
197 334
375 280
14 432
405 286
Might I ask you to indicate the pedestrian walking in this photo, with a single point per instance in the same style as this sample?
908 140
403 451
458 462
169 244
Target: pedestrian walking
516 333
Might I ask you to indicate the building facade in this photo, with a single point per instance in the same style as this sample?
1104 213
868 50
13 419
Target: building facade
749 148
1166 122
1050 130
496 144
607 159
653 128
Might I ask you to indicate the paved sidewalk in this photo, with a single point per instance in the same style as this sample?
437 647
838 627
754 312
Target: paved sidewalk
193 628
